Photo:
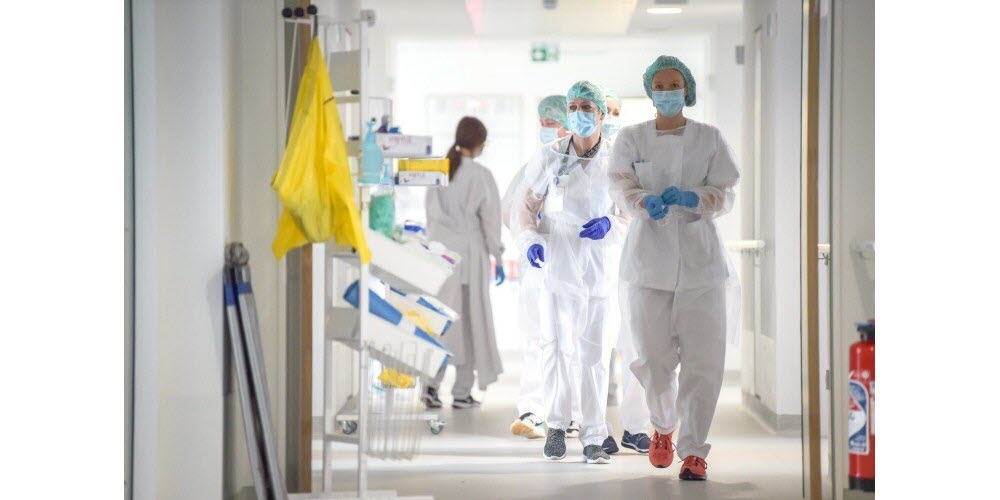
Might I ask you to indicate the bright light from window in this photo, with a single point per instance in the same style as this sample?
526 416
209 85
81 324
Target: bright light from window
663 10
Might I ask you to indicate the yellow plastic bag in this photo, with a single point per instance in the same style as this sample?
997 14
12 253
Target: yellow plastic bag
396 379
314 180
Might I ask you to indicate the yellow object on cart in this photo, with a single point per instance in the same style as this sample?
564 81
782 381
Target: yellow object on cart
396 379
425 165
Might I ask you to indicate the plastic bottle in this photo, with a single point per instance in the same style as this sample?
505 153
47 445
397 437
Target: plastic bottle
371 158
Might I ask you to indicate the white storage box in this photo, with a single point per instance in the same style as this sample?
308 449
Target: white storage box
435 315
402 146
410 262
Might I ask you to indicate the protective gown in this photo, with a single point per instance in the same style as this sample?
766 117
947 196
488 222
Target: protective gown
569 191
676 272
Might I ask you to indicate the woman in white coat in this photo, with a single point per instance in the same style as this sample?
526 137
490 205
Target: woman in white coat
465 217
564 227
674 176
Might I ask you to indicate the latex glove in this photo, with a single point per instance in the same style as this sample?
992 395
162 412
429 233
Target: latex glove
501 276
674 196
536 252
596 229
655 207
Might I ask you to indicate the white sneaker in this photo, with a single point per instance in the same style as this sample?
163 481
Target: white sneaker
573 431
529 426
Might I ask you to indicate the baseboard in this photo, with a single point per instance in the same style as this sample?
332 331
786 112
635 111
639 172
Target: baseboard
770 419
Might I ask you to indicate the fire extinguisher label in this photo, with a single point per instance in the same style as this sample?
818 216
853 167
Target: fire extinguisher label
857 420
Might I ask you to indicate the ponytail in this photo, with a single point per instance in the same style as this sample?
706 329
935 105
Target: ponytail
454 160
470 134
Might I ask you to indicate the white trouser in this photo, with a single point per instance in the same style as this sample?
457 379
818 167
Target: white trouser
531 395
572 340
686 327
632 406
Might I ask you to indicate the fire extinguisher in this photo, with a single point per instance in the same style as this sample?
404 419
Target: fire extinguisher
860 419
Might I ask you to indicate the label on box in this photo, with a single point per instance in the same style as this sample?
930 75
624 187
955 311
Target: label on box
421 178
400 144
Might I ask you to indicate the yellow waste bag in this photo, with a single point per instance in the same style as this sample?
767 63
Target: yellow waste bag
314 179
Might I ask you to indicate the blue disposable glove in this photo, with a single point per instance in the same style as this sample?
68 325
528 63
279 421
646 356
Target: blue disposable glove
501 276
674 196
596 229
536 252
655 207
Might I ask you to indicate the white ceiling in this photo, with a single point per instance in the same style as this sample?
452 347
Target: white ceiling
511 18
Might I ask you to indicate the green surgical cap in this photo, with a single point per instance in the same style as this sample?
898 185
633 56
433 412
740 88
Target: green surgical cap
554 107
670 62
611 95
589 91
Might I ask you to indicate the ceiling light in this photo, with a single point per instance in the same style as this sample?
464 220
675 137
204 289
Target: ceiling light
663 10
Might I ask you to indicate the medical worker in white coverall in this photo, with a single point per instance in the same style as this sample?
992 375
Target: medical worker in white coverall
531 395
674 176
567 184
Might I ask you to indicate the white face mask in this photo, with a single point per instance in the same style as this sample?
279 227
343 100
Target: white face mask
610 126
548 135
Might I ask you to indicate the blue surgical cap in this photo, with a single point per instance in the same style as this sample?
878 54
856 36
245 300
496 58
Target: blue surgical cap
610 94
670 62
554 107
589 91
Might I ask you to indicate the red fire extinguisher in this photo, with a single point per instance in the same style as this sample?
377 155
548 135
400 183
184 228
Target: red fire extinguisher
860 420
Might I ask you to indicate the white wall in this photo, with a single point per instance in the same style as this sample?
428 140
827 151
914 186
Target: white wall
853 195
207 145
775 373
180 166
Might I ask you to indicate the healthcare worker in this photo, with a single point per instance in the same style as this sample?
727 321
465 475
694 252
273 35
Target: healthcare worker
632 407
674 176
612 123
564 226
531 395
465 217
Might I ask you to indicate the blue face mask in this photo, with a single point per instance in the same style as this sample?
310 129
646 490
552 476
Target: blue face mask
548 135
668 102
583 123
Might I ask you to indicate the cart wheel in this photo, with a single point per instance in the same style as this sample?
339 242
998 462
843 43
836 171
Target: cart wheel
348 427
436 426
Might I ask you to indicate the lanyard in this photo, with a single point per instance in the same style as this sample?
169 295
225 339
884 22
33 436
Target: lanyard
563 169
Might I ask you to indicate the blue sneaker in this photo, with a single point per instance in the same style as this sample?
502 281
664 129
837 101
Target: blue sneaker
636 442
610 446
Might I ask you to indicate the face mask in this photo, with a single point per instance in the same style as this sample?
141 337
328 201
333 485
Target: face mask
668 102
610 127
583 123
548 135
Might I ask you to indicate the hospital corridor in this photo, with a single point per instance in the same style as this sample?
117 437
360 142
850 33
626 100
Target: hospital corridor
498 249
466 462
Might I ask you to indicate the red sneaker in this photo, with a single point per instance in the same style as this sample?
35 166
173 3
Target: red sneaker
694 469
661 450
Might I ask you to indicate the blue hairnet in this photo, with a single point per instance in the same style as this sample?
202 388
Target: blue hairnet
670 62
589 91
610 94
554 107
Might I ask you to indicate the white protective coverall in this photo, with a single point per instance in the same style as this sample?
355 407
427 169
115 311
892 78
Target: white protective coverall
465 217
568 192
676 273
532 396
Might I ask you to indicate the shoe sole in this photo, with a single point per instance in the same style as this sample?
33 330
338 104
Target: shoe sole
462 406
560 457
524 430
689 476
601 460
635 448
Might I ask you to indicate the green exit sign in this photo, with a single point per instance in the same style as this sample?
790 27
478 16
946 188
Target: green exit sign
544 52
